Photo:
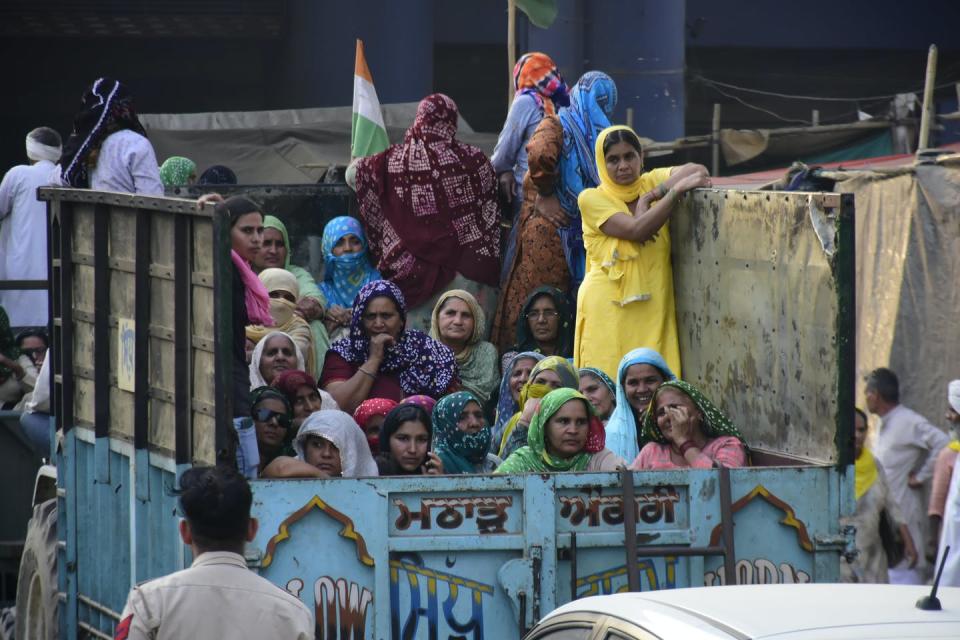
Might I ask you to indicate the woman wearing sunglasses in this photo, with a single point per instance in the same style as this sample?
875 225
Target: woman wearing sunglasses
272 417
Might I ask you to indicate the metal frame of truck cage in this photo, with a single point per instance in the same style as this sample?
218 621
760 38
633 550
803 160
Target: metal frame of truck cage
62 204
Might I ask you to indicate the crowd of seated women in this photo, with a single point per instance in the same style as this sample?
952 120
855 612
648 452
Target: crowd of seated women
333 378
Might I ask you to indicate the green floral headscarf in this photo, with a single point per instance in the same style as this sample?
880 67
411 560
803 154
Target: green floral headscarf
715 422
534 457
176 171
459 451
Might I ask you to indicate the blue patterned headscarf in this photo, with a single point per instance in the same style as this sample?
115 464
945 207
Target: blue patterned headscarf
622 426
592 101
423 365
344 276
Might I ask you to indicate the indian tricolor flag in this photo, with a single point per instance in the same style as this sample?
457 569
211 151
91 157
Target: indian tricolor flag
369 134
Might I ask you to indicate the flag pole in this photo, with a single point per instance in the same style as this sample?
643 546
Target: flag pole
511 47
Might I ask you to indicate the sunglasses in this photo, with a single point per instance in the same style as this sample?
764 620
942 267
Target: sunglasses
266 415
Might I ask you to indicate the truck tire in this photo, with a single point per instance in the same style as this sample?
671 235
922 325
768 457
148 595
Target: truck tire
37 602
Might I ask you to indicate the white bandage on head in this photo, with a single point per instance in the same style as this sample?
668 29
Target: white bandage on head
39 151
953 395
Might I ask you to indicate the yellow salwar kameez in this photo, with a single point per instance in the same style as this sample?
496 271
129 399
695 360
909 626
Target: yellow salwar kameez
626 299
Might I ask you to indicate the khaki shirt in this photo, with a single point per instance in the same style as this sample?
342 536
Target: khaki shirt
217 597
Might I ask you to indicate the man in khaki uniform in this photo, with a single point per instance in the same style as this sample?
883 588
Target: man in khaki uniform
217 597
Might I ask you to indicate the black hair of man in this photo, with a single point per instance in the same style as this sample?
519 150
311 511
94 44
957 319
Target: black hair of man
46 136
33 333
885 383
216 504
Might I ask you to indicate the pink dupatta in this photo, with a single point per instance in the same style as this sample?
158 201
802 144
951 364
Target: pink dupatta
255 295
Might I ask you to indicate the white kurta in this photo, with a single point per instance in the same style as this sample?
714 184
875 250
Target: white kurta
950 534
128 164
23 240
907 443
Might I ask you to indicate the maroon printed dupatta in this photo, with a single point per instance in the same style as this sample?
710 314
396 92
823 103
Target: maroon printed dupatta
429 206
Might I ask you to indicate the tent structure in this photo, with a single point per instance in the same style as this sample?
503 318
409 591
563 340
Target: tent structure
290 146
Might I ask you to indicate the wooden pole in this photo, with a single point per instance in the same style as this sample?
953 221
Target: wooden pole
715 141
927 112
511 47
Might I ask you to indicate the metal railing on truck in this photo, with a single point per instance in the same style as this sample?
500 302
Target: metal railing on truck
736 256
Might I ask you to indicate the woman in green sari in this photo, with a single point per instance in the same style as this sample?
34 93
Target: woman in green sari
461 435
565 435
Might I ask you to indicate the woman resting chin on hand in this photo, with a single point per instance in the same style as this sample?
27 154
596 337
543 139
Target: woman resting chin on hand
687 430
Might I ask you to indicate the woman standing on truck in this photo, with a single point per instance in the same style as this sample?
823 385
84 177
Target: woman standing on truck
539 90
549 248
381 358
626 300
276 254
565 435
108 149
462 436
405 444
685 429
429 206
459 322
639 375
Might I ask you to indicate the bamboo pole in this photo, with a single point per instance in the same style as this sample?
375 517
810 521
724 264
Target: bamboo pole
511 47
928 99
715 141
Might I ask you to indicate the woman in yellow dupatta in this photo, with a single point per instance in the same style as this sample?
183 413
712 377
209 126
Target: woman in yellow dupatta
873 497
553 372
626 299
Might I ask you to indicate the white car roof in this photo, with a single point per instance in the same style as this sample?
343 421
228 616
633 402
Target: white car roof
786 611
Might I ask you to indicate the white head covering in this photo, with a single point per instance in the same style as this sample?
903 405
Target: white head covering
953 395
36 150
340 429
256 378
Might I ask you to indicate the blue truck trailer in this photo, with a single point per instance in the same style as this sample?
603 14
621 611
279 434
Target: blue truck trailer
140 302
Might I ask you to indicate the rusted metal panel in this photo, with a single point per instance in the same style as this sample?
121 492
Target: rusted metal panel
758 308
